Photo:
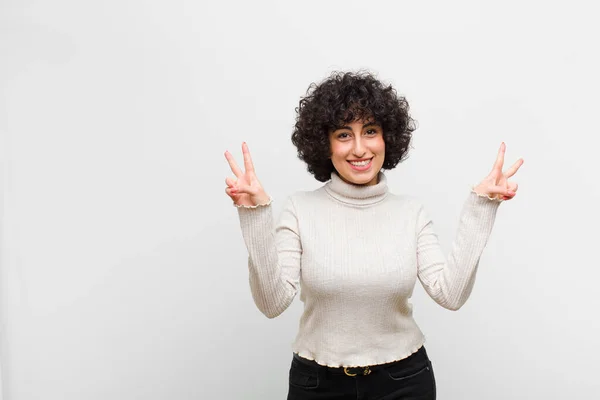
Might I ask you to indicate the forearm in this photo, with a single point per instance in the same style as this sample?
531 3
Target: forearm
450 281
272 284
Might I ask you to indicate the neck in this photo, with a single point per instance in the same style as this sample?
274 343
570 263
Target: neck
372 182
357 195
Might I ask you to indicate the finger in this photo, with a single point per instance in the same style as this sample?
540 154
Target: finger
231 193
503 191
233 165
513 186
244 189
500 158
230 182
248 165
515 167
509 197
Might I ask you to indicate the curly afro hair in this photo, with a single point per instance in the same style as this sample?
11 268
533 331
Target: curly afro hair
342 98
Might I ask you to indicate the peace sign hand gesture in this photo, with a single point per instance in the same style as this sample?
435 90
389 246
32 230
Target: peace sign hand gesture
245 190
496 184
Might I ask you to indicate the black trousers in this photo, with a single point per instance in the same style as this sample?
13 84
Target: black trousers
408 379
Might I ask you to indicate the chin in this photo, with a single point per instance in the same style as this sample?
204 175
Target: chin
359 180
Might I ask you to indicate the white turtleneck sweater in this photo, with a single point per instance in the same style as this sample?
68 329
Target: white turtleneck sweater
356 252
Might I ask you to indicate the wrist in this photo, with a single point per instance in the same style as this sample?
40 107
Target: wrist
256 202
262 199
480 190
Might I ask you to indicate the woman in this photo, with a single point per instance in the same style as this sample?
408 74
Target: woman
355 249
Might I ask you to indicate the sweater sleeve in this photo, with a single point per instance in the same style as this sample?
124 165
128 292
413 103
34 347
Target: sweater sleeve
274 254
449 281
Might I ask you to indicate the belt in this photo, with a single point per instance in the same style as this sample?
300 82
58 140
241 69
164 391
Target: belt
354 371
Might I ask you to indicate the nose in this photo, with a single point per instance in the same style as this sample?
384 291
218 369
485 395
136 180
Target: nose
359 149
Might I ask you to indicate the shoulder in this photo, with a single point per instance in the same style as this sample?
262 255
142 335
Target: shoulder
307 202
319 196
406 201
307 197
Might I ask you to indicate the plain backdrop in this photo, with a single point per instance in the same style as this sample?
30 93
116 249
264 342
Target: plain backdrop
123 270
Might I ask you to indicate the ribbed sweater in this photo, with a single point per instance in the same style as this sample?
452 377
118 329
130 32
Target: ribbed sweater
356 253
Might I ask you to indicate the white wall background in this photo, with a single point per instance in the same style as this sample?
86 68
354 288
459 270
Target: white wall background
123 271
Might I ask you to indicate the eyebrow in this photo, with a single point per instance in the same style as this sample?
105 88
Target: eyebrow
364 126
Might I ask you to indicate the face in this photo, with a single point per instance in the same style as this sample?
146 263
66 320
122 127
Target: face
358 151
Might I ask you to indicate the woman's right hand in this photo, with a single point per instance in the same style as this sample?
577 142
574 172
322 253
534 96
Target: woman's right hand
245 189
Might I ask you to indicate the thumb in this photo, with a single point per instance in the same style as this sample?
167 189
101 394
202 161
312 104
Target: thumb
244 189
503 191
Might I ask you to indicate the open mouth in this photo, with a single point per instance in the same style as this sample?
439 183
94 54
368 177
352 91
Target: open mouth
361 165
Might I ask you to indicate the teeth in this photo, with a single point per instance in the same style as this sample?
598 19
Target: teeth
360 163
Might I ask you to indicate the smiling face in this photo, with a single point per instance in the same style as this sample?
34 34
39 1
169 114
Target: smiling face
358 151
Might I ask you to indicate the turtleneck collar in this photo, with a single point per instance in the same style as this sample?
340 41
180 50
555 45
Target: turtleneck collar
357 195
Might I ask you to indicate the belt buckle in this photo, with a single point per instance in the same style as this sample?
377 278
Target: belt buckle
366 371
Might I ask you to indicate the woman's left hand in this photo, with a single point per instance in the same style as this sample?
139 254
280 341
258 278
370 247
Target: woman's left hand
496 184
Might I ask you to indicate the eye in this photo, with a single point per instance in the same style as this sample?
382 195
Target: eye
372 132
343 135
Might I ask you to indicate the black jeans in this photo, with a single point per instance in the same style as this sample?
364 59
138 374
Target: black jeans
408 379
